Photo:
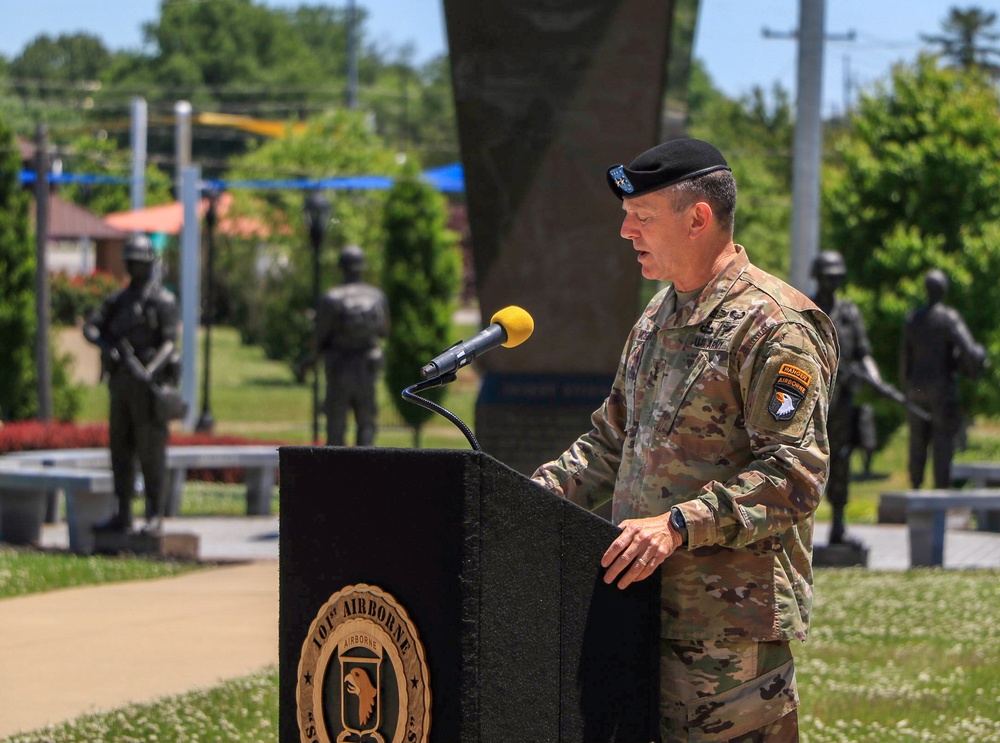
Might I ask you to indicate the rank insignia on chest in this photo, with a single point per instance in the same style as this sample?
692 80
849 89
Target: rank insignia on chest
789 391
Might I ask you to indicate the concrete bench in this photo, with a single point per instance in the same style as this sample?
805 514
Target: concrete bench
979 474
23 492
260 465
29 481
976 474
926 514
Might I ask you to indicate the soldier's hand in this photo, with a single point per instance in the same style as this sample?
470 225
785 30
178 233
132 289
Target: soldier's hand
640 549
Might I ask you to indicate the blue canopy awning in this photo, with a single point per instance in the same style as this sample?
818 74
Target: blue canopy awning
447 179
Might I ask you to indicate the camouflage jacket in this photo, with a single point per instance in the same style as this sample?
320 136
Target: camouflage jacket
720 409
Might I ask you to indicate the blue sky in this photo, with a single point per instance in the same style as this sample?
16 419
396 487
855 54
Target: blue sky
728 40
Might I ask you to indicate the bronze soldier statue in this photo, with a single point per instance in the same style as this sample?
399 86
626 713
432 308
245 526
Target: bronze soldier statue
137 330
351 321
936 348
856 366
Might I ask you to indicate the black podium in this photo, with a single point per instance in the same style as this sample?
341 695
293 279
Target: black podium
500 581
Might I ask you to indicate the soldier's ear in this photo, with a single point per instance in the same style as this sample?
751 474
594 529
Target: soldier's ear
701 217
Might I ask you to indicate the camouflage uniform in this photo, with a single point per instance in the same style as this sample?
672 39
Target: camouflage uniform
720 409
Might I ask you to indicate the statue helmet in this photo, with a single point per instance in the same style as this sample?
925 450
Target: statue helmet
936 283
139 248
829 263
352 258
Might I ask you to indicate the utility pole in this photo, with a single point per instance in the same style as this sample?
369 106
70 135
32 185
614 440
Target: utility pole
352 56
140 124
190 289
43 358
848 84
182 145
807 151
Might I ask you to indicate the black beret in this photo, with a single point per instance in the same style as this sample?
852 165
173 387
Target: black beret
666 164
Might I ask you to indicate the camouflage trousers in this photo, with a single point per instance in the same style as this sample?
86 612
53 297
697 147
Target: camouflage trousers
727 691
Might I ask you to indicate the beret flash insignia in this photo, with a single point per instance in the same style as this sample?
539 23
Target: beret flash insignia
621 180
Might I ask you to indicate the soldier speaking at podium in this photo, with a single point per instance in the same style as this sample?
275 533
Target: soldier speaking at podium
351 321
713 449
137 330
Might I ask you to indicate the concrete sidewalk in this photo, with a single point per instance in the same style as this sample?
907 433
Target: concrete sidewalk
221 538
67 653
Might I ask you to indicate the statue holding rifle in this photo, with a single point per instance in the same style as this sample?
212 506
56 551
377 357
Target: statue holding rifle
857 367
137 330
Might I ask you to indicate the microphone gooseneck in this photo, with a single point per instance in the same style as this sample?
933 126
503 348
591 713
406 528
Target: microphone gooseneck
410 393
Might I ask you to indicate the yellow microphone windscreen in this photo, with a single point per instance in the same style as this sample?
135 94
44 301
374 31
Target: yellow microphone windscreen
516 322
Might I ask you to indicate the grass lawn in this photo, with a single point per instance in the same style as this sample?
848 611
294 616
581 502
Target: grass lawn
909 656
25 571
906 656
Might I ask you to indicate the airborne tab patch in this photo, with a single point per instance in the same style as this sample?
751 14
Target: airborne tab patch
790 387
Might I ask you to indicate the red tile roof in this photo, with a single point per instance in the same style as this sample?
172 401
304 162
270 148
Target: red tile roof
169 219
27 150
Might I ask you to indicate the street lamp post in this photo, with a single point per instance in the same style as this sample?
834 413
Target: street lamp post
317 214
206 423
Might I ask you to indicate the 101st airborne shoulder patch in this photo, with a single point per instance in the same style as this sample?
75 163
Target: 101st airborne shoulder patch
788 392
785 394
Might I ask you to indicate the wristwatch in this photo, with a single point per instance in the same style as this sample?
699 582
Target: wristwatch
677 521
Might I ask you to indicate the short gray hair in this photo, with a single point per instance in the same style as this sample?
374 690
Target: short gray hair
717 189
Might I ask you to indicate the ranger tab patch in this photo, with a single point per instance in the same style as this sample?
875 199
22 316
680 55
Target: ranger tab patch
790 387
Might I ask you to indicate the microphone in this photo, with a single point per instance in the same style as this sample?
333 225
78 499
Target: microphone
509 327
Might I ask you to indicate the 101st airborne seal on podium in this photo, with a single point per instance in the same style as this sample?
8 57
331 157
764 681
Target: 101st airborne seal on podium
363 674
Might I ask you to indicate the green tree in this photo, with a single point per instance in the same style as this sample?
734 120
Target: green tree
230 56
220 43
755 134
421 278
49 67
414 109
274 309
915 187
97 155
18 399
967 39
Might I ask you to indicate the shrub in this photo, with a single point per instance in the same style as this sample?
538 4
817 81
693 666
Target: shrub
421 278
18 397
75 297
37 435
